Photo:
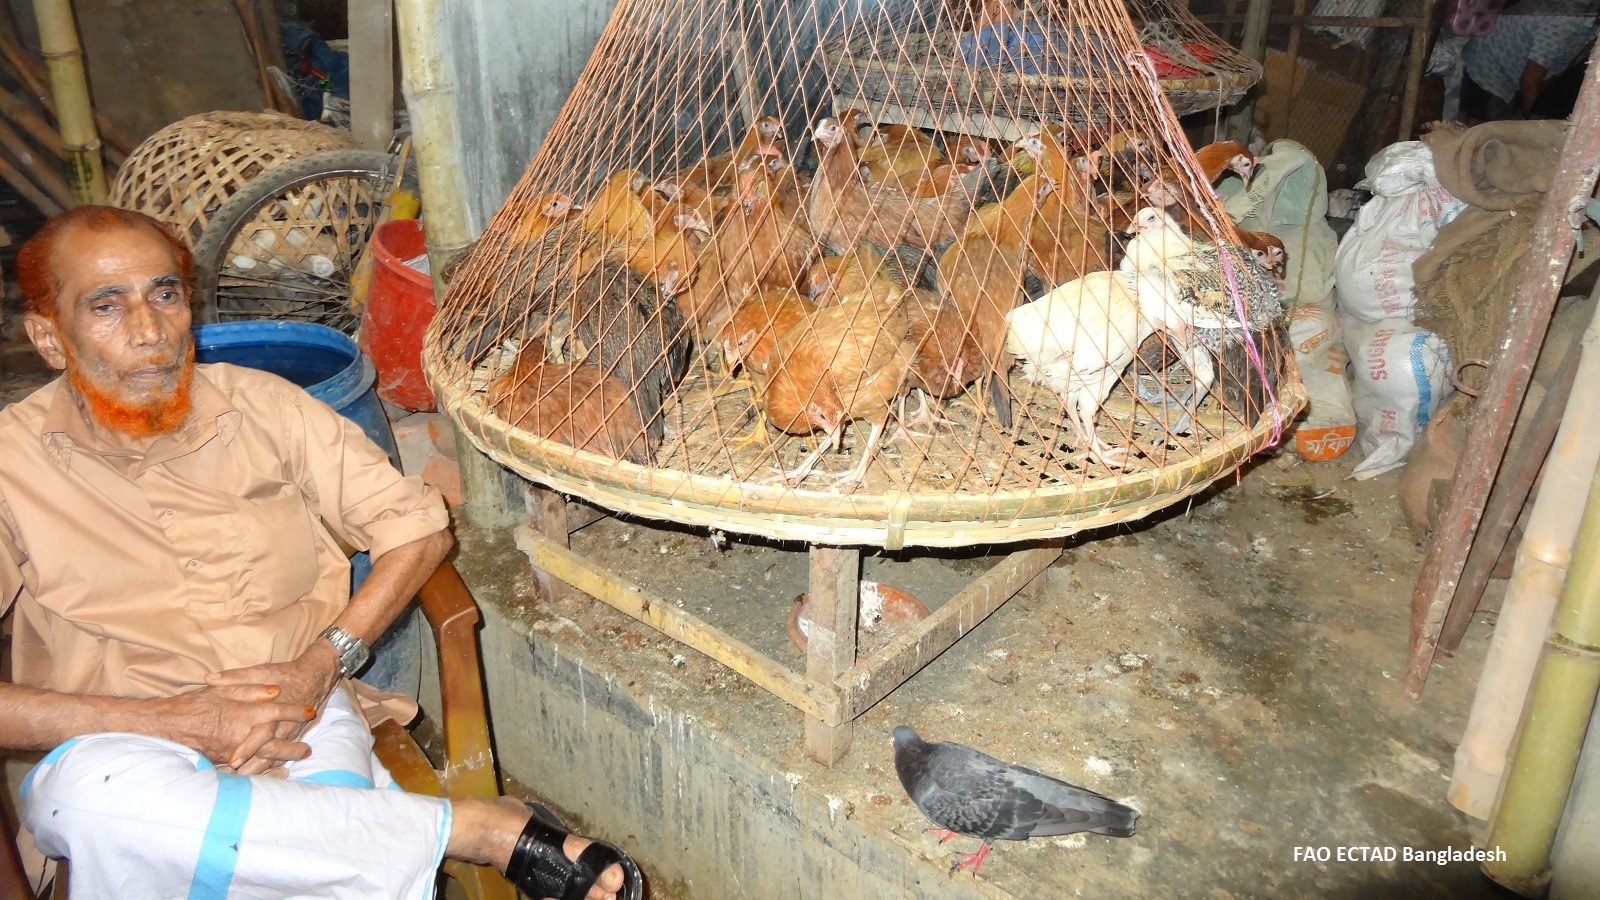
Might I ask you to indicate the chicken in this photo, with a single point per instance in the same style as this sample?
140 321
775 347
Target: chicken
1023 163
837 365
966 155
843 209
1219 158
763 139
946 356
612 317
1122 163
701 295
618 213
760 247
1230 298
678 233
1078 339
1267 249
550 211
894 151
572 403
981 274
752 332
1065 240
833 278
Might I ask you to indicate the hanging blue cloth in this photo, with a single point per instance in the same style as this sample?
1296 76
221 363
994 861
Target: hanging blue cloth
1029 46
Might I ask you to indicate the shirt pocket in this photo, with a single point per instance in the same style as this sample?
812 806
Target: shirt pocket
280 553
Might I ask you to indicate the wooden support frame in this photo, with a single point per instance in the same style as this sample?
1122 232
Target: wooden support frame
837 686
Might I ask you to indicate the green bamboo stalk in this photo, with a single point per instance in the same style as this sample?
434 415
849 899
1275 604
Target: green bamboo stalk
58 40
1535 794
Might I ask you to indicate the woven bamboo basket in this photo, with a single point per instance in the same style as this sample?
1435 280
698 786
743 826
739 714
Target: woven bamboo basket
858 70
184 172
924 515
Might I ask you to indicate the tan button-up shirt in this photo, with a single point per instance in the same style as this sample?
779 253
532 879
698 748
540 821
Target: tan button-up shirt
138 567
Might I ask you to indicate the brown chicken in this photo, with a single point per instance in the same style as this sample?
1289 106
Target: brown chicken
618 213
1066 238
702 295
752 333
678 233
1266 248
1222 157
759 247
895 151
764 138
550 210
981 274
1122 164
946 357
843 208
833 278
572 403
837 365
966 155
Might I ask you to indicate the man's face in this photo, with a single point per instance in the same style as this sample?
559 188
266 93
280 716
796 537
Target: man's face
121 329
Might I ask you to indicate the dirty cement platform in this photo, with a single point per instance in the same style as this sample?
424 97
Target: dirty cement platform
1228 666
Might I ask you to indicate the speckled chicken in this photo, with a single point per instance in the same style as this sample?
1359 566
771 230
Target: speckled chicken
572 403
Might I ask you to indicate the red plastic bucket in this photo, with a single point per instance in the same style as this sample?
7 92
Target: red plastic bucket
399 308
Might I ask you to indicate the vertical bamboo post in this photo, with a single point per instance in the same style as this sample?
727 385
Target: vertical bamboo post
58 38
1254 45
1554 234
1414 68
431 99
1535 795
835 594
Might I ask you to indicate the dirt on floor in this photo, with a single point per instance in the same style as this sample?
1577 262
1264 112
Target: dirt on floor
1229 666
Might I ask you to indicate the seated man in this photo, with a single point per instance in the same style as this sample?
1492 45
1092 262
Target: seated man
184 638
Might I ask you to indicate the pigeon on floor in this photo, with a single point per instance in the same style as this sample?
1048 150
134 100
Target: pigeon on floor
970 793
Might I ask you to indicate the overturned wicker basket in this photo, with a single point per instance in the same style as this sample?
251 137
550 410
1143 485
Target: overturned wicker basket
183 173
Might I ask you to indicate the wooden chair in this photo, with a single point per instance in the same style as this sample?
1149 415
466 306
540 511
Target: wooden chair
469 769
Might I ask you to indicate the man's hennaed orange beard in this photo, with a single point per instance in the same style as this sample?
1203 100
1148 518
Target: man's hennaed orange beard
163 416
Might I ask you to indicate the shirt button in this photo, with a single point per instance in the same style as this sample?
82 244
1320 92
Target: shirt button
169 513
194 563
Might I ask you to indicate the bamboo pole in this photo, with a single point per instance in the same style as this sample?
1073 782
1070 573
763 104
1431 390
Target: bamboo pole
58 39
256 38
431 100
1525 822
1554 234
1543 558
29 191
1253 45
1414 67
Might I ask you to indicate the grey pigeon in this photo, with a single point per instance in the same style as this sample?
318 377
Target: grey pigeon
967 792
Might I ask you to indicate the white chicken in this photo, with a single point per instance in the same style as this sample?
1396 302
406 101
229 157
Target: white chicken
1080 337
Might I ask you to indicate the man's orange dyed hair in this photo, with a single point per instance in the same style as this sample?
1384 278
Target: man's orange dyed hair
38 280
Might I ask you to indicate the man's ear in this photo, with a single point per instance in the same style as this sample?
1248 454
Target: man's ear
46 336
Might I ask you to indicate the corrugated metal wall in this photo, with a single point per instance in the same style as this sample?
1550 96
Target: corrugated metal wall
514 62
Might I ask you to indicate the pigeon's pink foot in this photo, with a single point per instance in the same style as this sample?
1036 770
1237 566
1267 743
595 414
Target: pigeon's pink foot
971 859
944 834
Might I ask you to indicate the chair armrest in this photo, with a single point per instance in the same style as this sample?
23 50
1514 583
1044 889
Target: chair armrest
469 757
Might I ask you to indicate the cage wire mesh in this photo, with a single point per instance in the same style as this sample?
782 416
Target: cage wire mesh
913 273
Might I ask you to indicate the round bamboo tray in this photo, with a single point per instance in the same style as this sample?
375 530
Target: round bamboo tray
183 173
859 71
891 518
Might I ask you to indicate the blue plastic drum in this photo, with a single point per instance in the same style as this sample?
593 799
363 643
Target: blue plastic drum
332 369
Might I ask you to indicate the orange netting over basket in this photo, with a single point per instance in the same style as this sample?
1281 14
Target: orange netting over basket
183 173
911 273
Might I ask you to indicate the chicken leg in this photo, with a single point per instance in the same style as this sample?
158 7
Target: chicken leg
855 476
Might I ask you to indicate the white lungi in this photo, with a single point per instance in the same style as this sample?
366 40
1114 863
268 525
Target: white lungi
141 817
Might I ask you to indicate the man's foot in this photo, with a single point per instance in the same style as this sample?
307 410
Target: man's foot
506 834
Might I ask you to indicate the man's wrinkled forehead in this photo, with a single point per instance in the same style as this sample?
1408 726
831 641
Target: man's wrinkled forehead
94 264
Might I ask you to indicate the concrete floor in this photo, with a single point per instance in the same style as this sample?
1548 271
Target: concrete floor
1229 667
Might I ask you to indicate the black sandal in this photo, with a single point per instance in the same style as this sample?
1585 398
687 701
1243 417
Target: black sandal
540 868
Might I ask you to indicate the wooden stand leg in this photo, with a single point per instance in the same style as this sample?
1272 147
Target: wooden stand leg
831 643
547 513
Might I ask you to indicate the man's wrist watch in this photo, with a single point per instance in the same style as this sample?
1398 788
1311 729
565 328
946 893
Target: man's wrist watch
352 650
